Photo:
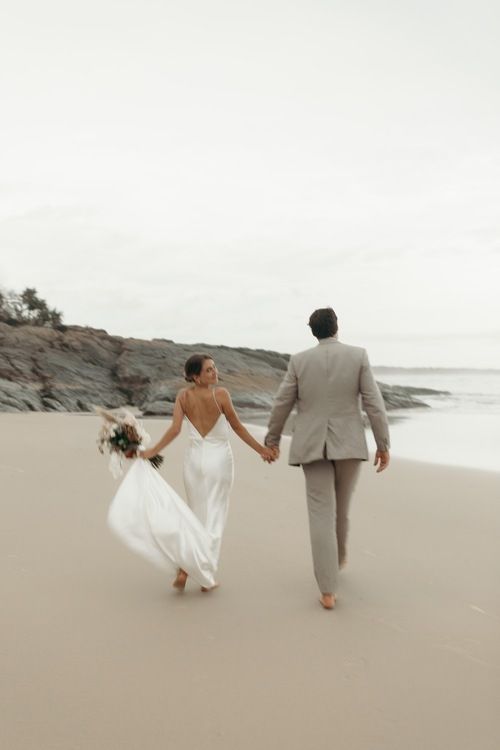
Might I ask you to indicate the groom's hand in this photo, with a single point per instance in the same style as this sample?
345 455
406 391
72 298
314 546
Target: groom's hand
276 452
267 454
382 459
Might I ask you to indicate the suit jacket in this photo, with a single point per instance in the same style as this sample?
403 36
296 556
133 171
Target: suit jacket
329 383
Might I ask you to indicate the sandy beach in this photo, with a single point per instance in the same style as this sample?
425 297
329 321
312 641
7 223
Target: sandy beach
99 653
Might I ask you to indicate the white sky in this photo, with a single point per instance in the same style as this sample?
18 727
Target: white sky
214 171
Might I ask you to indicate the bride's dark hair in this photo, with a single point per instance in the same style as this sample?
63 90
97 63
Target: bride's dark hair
193 366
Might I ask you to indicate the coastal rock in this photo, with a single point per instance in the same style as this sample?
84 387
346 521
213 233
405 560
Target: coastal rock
253 400
19 396
161 398
68 371
158 409
397 397
74 368
419 391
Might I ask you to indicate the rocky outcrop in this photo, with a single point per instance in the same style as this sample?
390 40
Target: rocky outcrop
42 369
75 368
399 397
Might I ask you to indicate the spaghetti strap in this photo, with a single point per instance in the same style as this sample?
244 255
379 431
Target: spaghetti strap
216 403
182 401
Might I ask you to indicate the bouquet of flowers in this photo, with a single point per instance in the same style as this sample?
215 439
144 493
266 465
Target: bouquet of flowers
122 436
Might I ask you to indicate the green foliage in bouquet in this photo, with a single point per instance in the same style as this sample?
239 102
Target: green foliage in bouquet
123 435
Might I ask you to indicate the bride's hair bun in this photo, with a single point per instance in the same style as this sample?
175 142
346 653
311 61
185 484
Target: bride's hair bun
193 366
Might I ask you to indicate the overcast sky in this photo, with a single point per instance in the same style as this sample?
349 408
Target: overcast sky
214 171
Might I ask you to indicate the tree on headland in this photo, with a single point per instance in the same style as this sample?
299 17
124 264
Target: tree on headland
27 308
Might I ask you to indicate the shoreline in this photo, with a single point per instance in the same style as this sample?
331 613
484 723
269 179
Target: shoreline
399 452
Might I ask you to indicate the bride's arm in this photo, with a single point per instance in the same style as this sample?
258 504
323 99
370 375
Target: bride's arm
171 433
226 403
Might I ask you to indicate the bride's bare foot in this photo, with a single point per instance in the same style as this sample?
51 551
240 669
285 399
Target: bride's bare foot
205 589
328 601
180 580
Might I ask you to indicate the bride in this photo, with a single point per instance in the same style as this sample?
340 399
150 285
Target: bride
191 541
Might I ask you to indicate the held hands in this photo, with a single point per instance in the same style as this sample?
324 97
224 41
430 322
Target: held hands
382 459
269 454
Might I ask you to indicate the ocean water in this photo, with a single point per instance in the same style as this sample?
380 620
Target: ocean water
461 427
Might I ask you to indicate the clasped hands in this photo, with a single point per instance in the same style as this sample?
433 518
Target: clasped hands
270 454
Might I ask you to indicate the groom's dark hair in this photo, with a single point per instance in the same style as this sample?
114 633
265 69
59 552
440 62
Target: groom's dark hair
323 323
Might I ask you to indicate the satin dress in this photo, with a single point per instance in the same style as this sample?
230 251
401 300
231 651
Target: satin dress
156 523
208 478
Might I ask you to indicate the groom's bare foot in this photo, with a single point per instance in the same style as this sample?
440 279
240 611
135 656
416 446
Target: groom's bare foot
205 589
180 580
328 601
342 563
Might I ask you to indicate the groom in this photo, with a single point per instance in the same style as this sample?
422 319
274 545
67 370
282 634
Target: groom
328 383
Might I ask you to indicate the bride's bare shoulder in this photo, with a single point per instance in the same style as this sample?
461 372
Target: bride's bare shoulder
222 393
182 394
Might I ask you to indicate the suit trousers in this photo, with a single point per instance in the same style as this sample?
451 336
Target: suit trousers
329 487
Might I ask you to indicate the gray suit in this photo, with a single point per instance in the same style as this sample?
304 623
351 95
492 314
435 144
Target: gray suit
329 383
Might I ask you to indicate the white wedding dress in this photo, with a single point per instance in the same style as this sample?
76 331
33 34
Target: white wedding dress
150 517
208 478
